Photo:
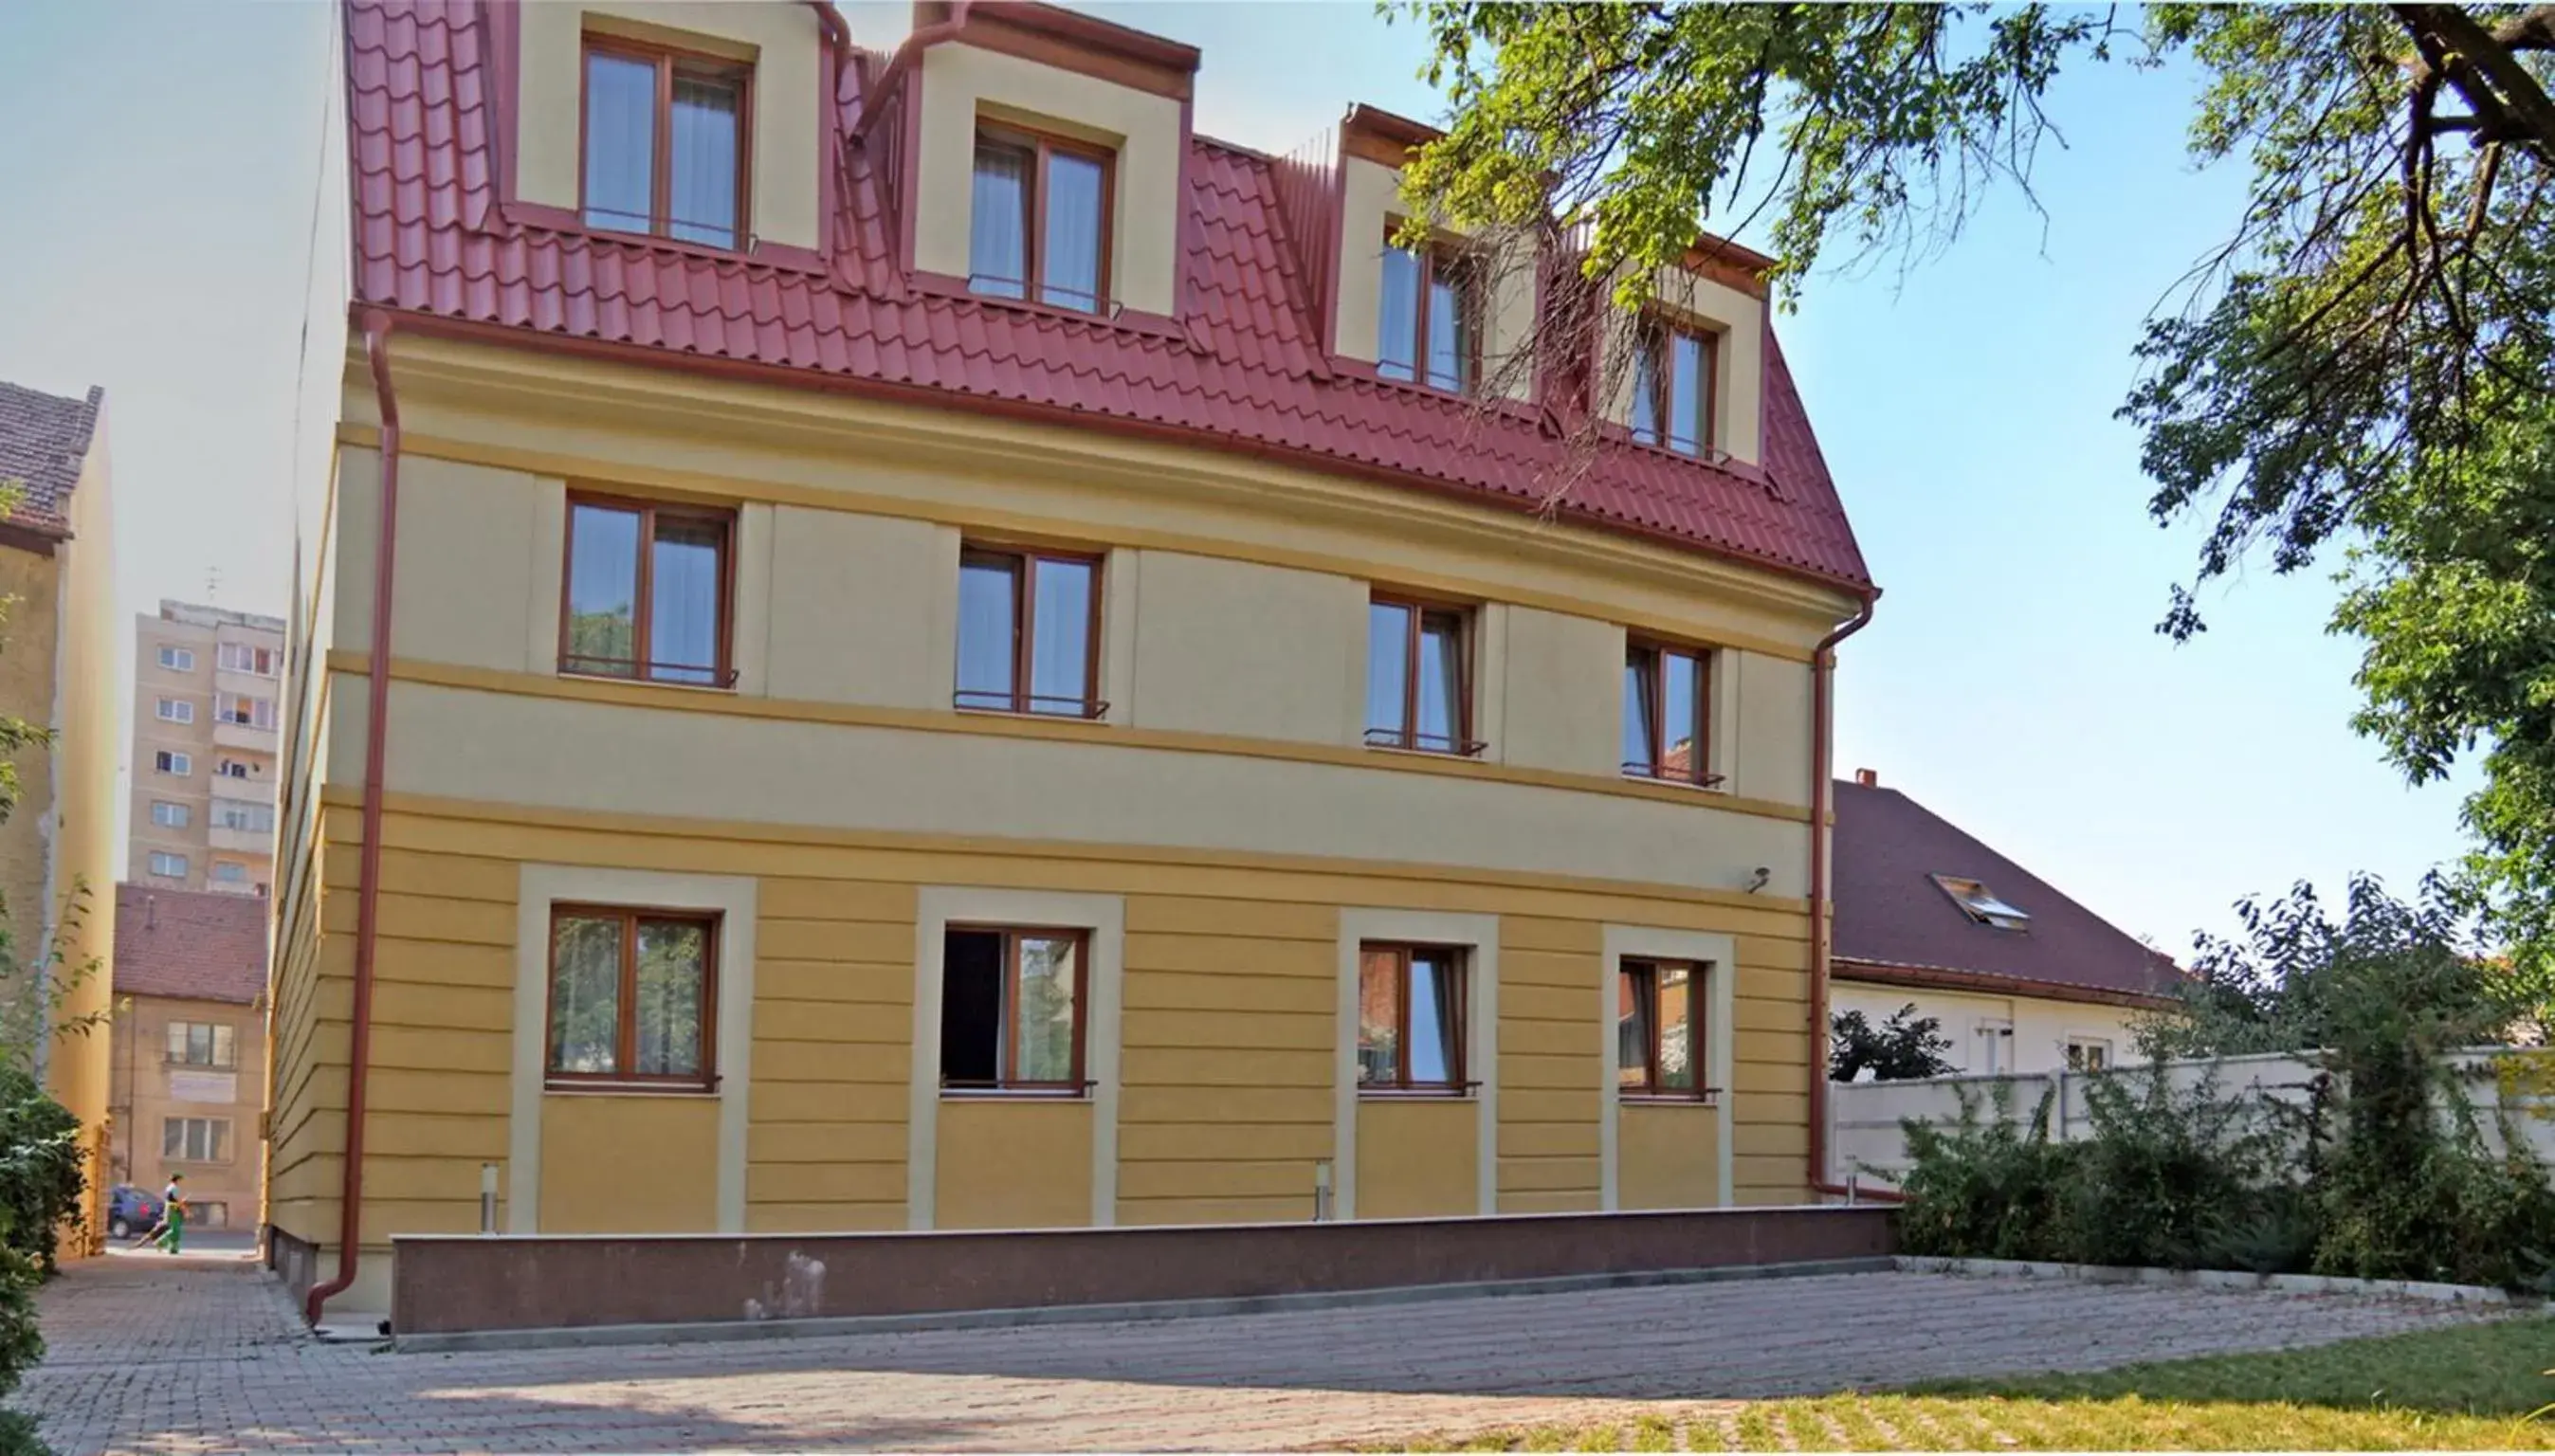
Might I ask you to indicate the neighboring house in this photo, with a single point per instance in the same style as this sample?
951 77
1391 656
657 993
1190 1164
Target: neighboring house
2021 978
191 1047
58 672
206 682
963 657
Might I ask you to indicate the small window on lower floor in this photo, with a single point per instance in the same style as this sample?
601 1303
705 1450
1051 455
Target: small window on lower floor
633 993
1659 1030
168 866
1011 1009
1410 1019
195 1138
2088 1054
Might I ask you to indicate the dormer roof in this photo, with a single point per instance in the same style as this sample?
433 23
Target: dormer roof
1239 366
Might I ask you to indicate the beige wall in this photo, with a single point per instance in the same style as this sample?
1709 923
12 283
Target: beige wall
963 84
1257 651
2041 1025
147 1094
870 615
781 39
1371 205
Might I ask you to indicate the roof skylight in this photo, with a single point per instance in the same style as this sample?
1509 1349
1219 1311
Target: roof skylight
1981 905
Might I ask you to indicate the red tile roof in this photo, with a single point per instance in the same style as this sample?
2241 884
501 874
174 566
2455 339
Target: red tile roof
1892 915
43 438
189 944
1243 369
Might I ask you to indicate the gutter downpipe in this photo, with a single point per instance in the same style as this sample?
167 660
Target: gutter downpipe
874 97
1822 806
368 883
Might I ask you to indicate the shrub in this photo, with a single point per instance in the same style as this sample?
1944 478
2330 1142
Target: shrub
41 1173
1985 1188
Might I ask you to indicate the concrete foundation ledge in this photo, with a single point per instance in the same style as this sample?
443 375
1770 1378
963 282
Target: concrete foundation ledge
883 1324
450 1285
2216 1278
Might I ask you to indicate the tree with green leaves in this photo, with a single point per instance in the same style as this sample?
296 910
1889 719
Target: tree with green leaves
2365 365
1901 1048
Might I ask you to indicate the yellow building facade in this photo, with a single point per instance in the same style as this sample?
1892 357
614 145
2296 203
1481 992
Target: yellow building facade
785 915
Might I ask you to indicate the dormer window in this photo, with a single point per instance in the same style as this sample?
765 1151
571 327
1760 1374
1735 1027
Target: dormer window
1673 384
1980 903
1041 220
665 142
1428 318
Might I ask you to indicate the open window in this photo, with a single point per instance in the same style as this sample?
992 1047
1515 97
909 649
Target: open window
1667 713
647 591
1428 316
664 141
1040 220
1028 632
1982 904
1418 678
1674 373
1411 1029
1011 1009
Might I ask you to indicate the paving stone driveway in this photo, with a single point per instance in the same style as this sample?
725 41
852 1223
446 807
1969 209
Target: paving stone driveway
200 1357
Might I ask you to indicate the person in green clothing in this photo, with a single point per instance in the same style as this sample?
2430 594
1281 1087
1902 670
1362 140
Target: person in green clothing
172 1216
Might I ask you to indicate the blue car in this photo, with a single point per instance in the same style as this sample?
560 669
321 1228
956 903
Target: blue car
130 1211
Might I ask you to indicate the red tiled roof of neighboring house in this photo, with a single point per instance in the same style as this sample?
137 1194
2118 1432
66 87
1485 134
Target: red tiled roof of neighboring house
43 438
1895 923
189 944
1240 369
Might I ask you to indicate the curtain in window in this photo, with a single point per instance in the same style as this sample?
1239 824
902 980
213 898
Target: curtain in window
1378 1013
1045 1025
1685 395
706 151
988 605
1441 681
1061 644
585 994
603 590
1069 272
1436 1009
683 600
1639 752
1450 331
1675 1013
1644 418
1396 348
998 259
620 141
1388 670
674 967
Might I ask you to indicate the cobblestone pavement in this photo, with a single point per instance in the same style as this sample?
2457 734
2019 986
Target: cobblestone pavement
201 1356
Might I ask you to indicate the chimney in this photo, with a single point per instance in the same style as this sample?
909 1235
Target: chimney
1866 777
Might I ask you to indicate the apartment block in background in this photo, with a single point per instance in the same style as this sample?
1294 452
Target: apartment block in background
190 1074
205 683
56 671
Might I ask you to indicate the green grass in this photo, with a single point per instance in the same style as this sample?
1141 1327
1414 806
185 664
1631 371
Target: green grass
2469 1388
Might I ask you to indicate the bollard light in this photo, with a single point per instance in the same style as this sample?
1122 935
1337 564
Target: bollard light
487 1199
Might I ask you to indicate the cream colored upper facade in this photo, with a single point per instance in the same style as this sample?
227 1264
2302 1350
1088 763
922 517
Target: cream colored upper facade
207 686
1217 834
1994 1033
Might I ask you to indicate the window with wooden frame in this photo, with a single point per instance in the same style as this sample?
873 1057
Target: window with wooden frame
1428 316
665 141
202 1045
196 1140
645 591
1011 1009
1041 222
1676 371
632 997
1659 1030
1418 678
1411 1007
1028 632
1667 713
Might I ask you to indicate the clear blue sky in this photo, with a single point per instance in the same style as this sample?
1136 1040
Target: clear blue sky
156 163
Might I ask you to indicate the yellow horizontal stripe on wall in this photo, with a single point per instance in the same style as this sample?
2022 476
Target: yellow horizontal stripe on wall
812 1182
1216 1143
1245 919
835 941
823 1218
1174 1067
781 898
843 1023
1225 1106
1548 1139
1207 991
1262 1179
1551 1174
852 983
827 1143
1537 1072
1537 1201
693 701
1187 1031
1564 940
829 1102
1282 1208
1231 955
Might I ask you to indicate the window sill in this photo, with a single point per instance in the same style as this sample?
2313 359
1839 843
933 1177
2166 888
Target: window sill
1719 783
1015 1094
719 690
1470 753
1709 1097
1092 713
630 1089
1416 1094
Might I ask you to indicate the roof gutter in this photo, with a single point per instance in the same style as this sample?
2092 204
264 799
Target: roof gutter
1822 806
907 55
368 874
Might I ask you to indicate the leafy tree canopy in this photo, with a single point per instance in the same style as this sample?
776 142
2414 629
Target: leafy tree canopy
1901 1048
2365 364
